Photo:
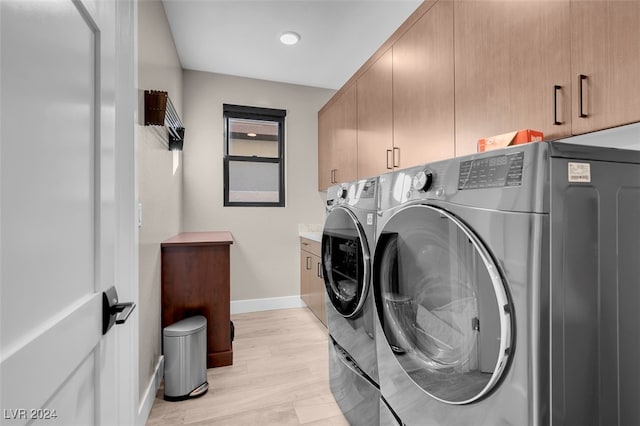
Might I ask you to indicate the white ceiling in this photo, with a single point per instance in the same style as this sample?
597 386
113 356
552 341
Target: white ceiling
241 37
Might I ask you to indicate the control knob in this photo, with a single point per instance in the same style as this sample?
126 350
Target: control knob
342 193
422 180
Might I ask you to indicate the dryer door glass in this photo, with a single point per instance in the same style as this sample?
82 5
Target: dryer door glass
442 304
345 262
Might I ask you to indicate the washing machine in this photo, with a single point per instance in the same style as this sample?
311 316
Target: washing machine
347 244
506 287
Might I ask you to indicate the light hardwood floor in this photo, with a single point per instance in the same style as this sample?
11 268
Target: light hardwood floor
279 377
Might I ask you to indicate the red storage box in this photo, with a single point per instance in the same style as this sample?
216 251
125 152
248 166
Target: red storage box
508 139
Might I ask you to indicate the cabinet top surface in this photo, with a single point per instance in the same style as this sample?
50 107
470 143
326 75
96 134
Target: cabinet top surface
199 238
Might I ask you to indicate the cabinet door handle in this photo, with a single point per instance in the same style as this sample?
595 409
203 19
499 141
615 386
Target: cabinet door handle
319 270
581 80
308 263
396 163
388 166
556 89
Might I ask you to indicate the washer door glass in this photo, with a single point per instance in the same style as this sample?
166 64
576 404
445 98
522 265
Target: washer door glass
345 262
442 304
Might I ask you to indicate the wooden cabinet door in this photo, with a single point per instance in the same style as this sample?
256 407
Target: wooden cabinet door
337 140
344 148
306 277
423 89
605 48
322 308
312 284
510 56
311 281
375 118
325 136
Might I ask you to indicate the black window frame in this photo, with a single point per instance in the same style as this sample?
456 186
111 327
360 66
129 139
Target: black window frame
254 113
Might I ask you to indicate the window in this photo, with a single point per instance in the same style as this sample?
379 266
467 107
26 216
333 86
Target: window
253 156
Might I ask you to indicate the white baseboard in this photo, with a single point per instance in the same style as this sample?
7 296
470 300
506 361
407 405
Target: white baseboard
269 304
150 394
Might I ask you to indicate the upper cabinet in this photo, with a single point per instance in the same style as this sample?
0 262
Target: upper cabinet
405 99
512 69
337 140
375 118
605 64
423 89
460 70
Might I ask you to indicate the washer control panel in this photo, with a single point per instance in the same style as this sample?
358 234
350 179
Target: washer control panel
491 172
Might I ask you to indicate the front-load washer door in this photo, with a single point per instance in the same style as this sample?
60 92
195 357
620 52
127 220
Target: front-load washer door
442 304
345 262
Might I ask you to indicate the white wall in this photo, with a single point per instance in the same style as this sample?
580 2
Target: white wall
265 254
159 188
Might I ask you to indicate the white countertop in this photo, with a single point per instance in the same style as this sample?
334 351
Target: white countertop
313 236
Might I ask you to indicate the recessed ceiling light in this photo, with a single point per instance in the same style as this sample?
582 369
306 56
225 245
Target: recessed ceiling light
251 135
289 38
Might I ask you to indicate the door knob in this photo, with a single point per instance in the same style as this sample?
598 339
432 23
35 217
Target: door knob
112 311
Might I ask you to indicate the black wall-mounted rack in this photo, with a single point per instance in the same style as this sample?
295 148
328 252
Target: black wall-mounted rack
159 111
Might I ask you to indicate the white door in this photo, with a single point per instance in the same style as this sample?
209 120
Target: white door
58 212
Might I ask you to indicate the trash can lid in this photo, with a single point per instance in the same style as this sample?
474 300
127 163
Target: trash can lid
185 327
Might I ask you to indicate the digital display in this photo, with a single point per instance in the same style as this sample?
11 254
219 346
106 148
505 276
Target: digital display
369 189
491 172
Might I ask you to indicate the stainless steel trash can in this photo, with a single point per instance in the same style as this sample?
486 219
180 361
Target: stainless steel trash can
185 359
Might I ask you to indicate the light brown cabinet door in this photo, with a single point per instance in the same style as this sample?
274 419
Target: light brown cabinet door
423 89
344 148
325 136
322 308
375 118
512 69
605 48
306 284
337 141
312 284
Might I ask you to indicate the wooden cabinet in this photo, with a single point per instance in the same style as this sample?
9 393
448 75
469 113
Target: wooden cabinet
457 71
512 69
375 118
423 89
562 67
605 49
195 281
311 281
337 140
398 112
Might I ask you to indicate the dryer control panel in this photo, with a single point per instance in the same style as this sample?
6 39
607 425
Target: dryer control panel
491 172
360 193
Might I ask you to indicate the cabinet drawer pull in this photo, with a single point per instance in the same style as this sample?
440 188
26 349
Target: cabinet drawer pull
396 163
556 89
581 81
388 166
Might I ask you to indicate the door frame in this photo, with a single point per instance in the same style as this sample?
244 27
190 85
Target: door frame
126 256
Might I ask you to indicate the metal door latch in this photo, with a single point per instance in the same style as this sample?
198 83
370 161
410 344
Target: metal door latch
112 311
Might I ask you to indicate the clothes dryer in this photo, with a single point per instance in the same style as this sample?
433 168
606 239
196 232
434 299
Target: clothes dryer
506 285
347 241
